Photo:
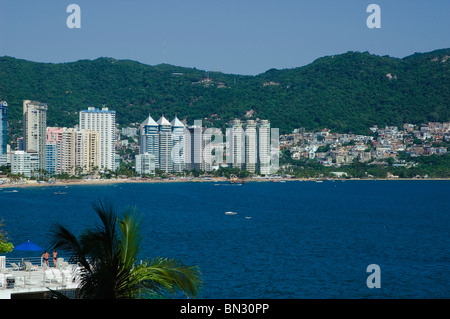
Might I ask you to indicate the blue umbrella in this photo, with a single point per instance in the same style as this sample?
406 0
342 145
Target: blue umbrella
28 246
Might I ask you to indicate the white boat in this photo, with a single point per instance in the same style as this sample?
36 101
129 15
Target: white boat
230 213
248 217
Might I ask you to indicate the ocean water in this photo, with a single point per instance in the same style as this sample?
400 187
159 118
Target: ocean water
288 240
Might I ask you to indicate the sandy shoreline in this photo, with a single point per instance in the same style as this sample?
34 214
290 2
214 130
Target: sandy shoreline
33 183
90 182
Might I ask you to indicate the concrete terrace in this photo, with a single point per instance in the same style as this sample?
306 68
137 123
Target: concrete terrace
29 281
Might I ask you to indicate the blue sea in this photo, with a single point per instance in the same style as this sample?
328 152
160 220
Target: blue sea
289 240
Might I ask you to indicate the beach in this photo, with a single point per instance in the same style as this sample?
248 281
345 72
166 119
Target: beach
35 183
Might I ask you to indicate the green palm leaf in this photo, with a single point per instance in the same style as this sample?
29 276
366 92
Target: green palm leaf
107 255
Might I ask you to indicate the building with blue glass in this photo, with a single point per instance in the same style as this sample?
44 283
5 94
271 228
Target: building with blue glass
149 137
3 127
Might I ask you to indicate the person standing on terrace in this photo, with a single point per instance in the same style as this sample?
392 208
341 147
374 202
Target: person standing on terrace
45 256
55 254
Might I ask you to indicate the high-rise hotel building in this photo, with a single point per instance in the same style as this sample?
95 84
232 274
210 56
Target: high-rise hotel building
149 139
55 150
236 144
194 146
165 145
35 129
3 133
102 121
145 164
251 146
88 144
166 141
264 147
175 147
198 147
178 145
80 151
3 127
26 163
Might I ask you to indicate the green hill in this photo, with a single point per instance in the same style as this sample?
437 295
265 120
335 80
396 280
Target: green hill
347 92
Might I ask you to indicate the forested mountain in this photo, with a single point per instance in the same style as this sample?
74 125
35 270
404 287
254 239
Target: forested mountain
346 93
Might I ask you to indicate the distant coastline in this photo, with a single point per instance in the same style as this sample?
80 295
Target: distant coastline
61 183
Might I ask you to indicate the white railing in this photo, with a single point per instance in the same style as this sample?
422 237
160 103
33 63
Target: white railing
63 275
2 262
20 262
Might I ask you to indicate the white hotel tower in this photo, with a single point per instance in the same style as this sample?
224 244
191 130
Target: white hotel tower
264 147
236 144
104 122
35 129
165 145
178 141
251 146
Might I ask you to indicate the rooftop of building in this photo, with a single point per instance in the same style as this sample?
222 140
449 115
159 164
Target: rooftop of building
97 110
163 121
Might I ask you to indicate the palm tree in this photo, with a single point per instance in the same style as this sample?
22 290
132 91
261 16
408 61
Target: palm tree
107 256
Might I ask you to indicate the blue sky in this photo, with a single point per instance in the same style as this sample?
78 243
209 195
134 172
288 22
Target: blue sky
241 37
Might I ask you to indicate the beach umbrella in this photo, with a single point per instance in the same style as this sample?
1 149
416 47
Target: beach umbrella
28 246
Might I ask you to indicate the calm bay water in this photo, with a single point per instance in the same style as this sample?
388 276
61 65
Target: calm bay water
303 240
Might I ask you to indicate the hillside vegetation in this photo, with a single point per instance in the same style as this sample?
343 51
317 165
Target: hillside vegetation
346 93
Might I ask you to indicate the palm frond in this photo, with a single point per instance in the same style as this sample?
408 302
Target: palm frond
65 240
170 275
108 253
130 238
106 231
